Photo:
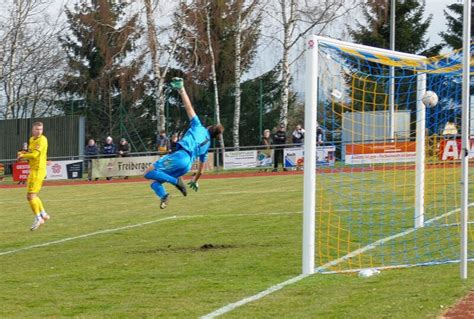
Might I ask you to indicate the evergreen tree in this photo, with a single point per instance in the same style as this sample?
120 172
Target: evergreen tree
103 75
409 25
453 37
265 89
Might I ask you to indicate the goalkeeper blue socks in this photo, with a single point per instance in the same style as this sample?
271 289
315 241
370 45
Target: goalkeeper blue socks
158 189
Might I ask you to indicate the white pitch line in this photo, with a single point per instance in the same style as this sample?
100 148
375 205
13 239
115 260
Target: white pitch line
384 240
105 231
260 295
232 306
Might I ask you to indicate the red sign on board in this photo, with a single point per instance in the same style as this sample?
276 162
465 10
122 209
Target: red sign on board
21 170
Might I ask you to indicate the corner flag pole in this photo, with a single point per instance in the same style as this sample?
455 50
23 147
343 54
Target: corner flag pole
466 58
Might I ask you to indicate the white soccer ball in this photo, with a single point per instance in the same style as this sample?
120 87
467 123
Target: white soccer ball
336 94
430 99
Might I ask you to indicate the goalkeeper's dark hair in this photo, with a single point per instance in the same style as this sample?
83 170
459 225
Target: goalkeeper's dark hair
215 130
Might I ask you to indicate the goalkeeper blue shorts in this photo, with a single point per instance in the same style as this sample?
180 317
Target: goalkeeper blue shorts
175 164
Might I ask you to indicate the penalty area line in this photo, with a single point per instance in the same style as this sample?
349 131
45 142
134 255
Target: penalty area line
105 231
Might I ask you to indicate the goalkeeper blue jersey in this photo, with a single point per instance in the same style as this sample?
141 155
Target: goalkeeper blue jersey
196 141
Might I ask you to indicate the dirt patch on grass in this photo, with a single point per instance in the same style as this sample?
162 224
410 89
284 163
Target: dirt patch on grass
172 249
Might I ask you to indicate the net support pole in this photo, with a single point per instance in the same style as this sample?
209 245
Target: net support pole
465 134
392 73
309 193
420 152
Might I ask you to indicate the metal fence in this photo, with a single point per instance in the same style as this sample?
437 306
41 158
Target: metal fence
66 136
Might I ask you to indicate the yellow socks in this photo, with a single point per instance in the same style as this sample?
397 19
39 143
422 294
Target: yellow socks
36 205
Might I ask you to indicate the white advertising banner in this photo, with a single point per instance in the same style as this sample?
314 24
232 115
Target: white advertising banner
121 166
326 155
63 170
294 157
240 159
265 158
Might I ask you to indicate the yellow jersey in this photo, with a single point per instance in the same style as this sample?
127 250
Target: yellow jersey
37 152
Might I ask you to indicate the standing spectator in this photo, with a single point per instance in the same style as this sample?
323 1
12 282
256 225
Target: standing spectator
298 135
174 142
109 150
92 151
279 138
319 135
23 150
266 142
123 149
163 143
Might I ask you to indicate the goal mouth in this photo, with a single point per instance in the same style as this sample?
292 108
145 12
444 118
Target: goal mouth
391 196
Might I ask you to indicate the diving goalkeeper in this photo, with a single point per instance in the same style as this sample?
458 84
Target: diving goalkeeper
194 144
36 156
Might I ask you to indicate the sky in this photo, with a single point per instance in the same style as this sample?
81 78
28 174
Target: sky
269 56
438 24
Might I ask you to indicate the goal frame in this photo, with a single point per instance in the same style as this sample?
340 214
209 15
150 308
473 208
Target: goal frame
311 100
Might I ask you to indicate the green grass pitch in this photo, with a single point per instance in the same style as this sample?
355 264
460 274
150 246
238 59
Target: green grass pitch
109 251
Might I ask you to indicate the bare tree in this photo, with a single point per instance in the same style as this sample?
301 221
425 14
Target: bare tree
30 60
296 18
247 21
213 72
161 61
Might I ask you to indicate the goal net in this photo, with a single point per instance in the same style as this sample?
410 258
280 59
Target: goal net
388 176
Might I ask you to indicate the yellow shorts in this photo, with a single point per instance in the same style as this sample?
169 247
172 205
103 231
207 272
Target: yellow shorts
35 180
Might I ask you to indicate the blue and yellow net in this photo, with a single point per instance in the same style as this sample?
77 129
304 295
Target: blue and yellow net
366 197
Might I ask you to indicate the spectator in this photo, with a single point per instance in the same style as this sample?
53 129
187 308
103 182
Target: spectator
319 135
450 130
92 151
163 143
109 150
23 150
266 141
267 149
298 135
174 142
123 149
279 138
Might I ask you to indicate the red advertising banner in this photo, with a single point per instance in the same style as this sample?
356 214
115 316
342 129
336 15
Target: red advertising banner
371 153
450 149
21 170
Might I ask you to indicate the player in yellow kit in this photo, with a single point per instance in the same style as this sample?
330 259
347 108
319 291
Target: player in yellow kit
36 156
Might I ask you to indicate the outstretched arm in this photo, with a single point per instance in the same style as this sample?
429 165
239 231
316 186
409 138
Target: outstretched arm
178 85
187 103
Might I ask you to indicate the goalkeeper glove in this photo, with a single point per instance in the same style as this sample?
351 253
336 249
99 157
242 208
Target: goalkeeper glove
177 83
193 185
